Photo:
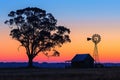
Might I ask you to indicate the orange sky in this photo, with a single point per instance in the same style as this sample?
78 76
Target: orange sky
109 47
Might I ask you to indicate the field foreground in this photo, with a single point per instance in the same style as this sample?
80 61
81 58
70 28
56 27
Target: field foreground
60 74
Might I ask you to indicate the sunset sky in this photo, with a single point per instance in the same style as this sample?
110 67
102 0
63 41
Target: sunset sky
83 17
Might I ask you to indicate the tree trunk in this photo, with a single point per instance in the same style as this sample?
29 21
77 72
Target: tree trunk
30 62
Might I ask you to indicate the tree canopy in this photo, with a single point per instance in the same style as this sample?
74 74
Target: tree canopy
37 31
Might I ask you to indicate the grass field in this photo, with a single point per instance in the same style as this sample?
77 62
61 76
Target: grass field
60 74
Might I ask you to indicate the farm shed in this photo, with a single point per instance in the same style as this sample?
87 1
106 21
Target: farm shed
82 61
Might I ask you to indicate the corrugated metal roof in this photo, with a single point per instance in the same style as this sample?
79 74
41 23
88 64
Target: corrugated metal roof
80 57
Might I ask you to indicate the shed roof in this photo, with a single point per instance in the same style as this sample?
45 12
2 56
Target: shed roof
80 57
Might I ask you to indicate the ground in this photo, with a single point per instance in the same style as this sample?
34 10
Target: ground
60 74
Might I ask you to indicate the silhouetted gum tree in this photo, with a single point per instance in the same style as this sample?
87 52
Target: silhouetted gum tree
37 31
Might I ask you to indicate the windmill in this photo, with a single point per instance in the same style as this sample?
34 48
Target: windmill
96 38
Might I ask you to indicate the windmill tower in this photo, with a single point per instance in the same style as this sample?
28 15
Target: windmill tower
96 38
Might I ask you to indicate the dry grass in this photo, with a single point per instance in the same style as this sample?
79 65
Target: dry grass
60 74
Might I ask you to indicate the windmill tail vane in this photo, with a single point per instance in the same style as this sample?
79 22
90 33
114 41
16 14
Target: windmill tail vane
88 39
